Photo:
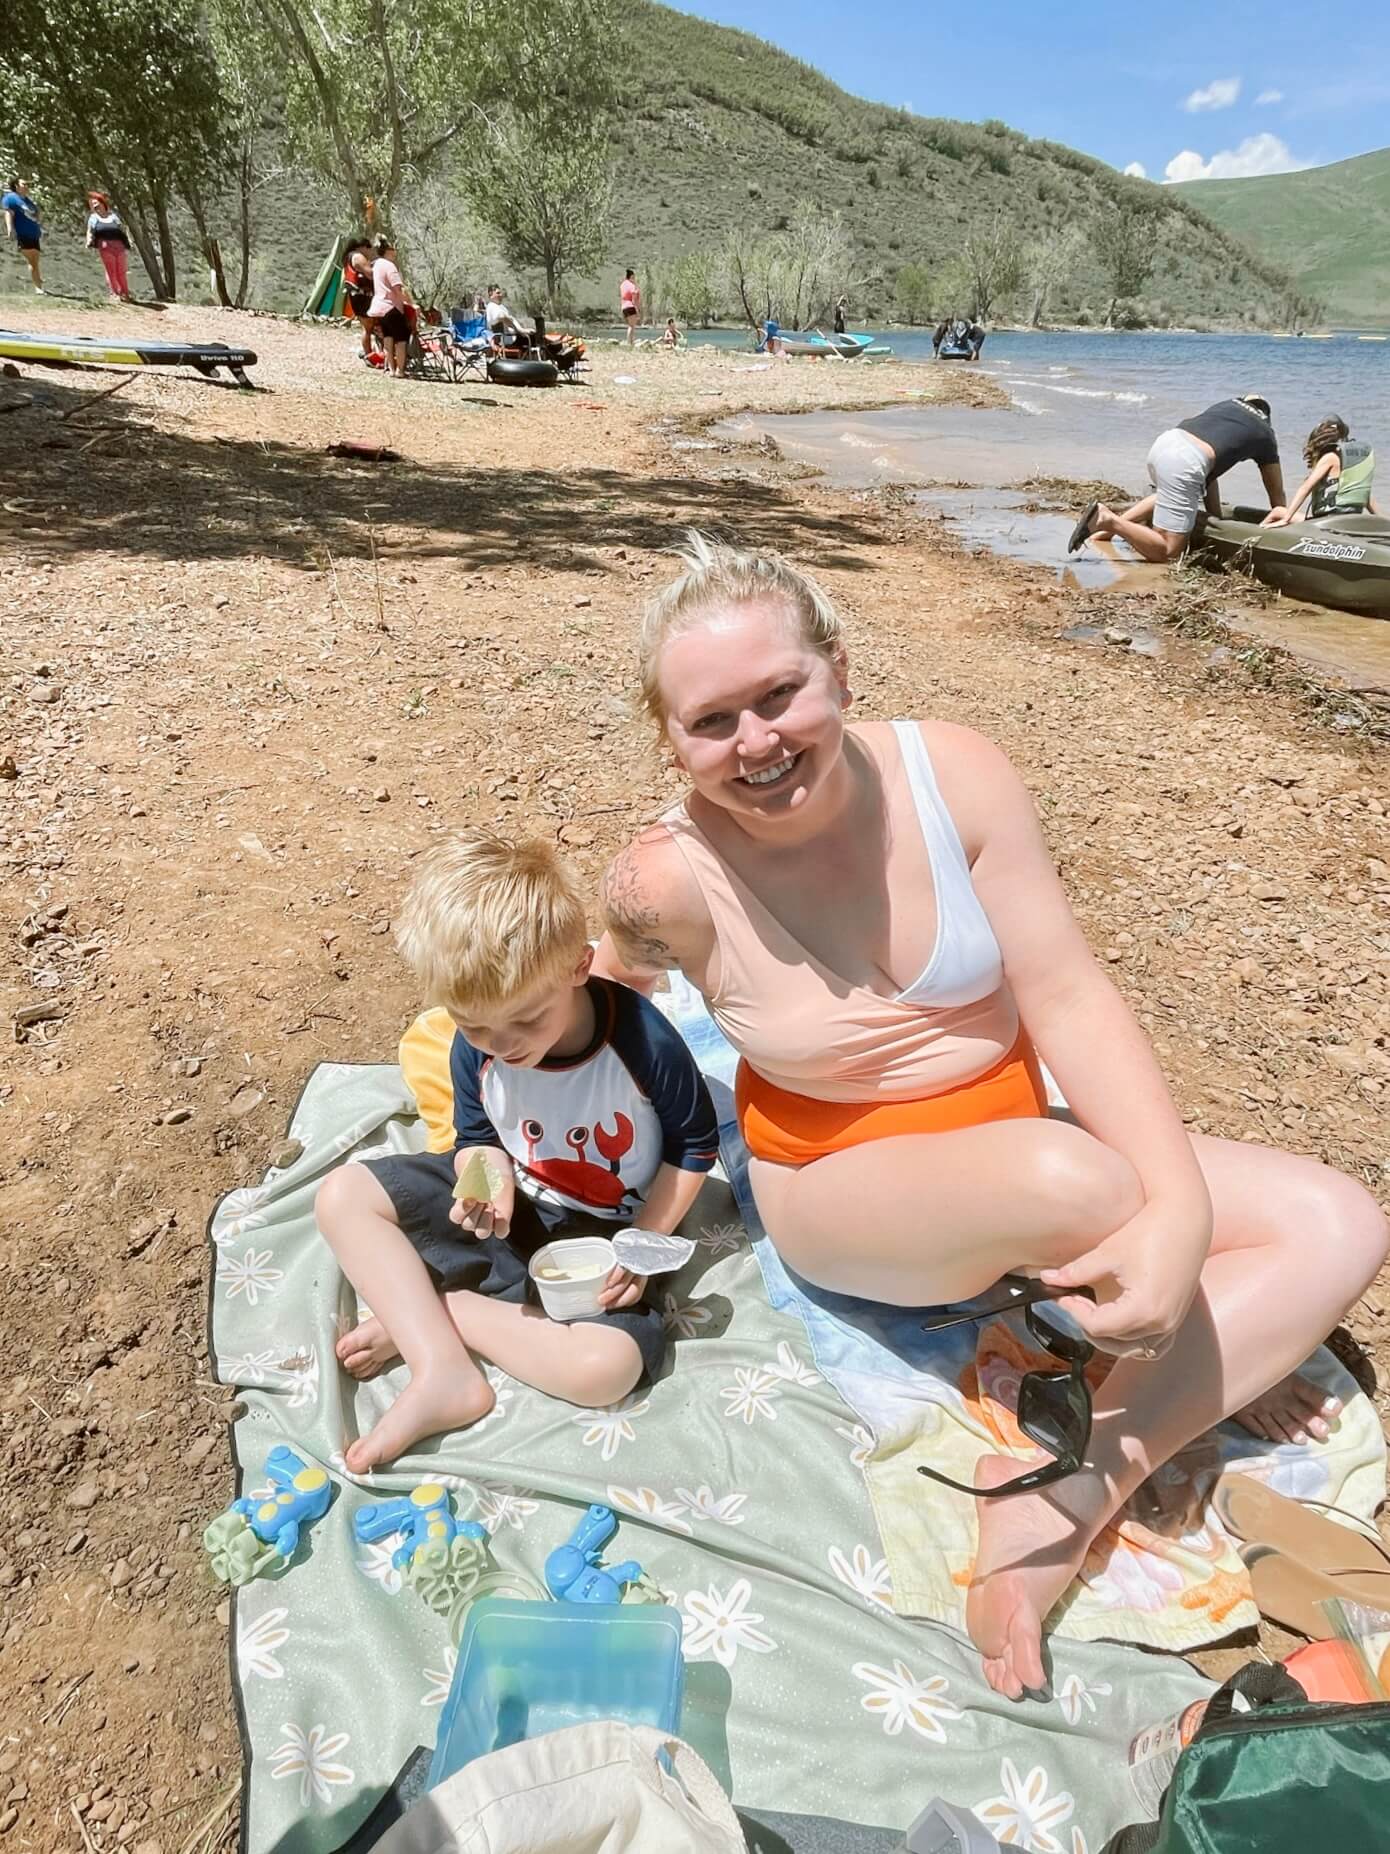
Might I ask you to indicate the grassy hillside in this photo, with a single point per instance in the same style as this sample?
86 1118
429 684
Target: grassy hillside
1328 226
721 129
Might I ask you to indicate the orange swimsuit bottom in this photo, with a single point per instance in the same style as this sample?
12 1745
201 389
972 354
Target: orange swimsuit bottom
793 1129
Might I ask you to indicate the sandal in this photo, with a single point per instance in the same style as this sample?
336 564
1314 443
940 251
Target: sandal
1080 534
1293 1593
1260 1517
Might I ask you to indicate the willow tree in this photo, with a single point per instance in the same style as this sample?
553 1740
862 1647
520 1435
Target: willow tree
540 145
1125 239
120 95
375 93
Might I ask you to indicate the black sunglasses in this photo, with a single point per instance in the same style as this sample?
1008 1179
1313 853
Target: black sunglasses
1054 1407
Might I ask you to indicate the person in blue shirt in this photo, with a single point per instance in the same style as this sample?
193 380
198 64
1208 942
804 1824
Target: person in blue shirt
588 1113
22 224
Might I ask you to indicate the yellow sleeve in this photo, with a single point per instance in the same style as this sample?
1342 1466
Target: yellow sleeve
424 1059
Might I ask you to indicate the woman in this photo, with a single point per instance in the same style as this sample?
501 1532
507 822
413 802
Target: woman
107 233
388 308
630 300
359 289
889 1089
1340 473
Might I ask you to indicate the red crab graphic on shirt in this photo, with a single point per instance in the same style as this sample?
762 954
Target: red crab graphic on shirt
597 1187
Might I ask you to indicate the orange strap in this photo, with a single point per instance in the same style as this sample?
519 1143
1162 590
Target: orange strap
792 1129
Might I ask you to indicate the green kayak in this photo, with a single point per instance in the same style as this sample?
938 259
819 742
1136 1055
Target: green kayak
1342 561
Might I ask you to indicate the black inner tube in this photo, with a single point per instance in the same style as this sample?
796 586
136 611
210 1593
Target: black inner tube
523 372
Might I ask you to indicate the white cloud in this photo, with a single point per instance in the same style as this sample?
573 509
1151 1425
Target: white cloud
1257 154
1220 93
1137 171
1270 96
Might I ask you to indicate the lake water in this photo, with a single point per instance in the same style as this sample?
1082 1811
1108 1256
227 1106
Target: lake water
1087 407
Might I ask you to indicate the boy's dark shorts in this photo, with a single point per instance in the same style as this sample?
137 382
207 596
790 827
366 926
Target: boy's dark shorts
421 1189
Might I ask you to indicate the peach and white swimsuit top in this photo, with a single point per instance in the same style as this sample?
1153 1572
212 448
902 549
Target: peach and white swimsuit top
803 1028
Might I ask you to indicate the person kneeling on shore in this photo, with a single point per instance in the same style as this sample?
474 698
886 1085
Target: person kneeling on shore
585 1110
1185 465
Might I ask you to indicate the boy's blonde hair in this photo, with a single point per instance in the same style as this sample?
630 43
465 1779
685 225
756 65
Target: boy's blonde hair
486 921
717 575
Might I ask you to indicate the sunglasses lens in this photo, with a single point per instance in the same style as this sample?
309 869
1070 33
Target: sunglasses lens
1055 1412
1060 1333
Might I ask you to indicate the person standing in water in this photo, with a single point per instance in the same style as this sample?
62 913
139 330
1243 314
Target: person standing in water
22 224
1185 465
631 299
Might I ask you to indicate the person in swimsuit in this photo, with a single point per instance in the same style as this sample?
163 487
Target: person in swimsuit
630 299
1340 474
889 1089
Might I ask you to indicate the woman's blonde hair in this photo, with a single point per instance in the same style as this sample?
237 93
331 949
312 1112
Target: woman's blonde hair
486 921
716 575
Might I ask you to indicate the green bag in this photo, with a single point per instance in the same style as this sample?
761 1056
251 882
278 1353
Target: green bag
1287 1777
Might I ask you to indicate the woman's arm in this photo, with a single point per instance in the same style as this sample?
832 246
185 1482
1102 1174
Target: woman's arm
1089 1038
654 915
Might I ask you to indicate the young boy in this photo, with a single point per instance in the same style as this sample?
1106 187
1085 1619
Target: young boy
591 1114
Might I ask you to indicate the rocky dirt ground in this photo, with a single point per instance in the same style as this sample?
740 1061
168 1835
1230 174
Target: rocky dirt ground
245 683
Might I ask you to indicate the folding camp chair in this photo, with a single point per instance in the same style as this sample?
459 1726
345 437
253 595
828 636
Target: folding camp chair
471 346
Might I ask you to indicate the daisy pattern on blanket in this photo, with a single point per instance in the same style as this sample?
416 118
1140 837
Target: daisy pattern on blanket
866 1576
1024 1816
505 1506
647 1503
721 1238
751 1395
861 1441
607 1430
257 1638
439 1679
252 1276
720 1623
899 1698
706 1504
239 1213
312 1757
374 1562
683 1319
790 1368
1077 1699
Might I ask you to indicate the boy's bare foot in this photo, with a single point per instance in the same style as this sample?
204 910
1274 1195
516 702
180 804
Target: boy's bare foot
428 1406
1293 1410
367 1349
1030 1549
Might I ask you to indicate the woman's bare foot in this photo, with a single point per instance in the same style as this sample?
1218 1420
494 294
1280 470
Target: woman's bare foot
1030 1549
428 1406
1293 1410
367 1349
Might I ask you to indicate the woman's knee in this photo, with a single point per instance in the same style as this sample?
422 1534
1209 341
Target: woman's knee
1083 1187
1346 1223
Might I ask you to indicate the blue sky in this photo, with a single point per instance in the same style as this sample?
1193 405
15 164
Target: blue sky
1220 91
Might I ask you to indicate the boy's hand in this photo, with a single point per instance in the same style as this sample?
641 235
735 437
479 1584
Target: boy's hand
478 1216
622 1289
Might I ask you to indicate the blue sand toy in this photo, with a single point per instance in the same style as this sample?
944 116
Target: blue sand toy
253 1536
571 1570
424 1516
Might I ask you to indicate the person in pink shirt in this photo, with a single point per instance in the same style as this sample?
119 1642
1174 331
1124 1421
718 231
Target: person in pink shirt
389 305
631 298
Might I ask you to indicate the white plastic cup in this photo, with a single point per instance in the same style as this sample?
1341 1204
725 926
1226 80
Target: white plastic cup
573 1300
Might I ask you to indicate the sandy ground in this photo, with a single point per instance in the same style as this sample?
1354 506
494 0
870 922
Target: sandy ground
245 683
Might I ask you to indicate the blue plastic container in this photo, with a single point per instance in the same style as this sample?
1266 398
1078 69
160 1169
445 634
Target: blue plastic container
528 1668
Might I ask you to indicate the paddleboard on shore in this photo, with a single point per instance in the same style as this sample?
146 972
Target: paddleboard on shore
95 351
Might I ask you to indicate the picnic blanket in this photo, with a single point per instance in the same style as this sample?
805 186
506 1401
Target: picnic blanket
737 1479
1165 1575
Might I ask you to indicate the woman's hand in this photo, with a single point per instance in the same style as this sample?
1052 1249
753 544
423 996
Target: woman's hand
1145 1275
622 1289
483 1217
1277 518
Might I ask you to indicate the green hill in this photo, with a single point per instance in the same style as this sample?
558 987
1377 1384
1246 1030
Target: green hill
720 129
1329 227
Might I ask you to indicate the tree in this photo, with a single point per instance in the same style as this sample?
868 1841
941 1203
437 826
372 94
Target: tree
811 264
540 145
376 92
1046 261
446 251
748 266
1125 240
121 95
693 292
993 264
912 294
1299 311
